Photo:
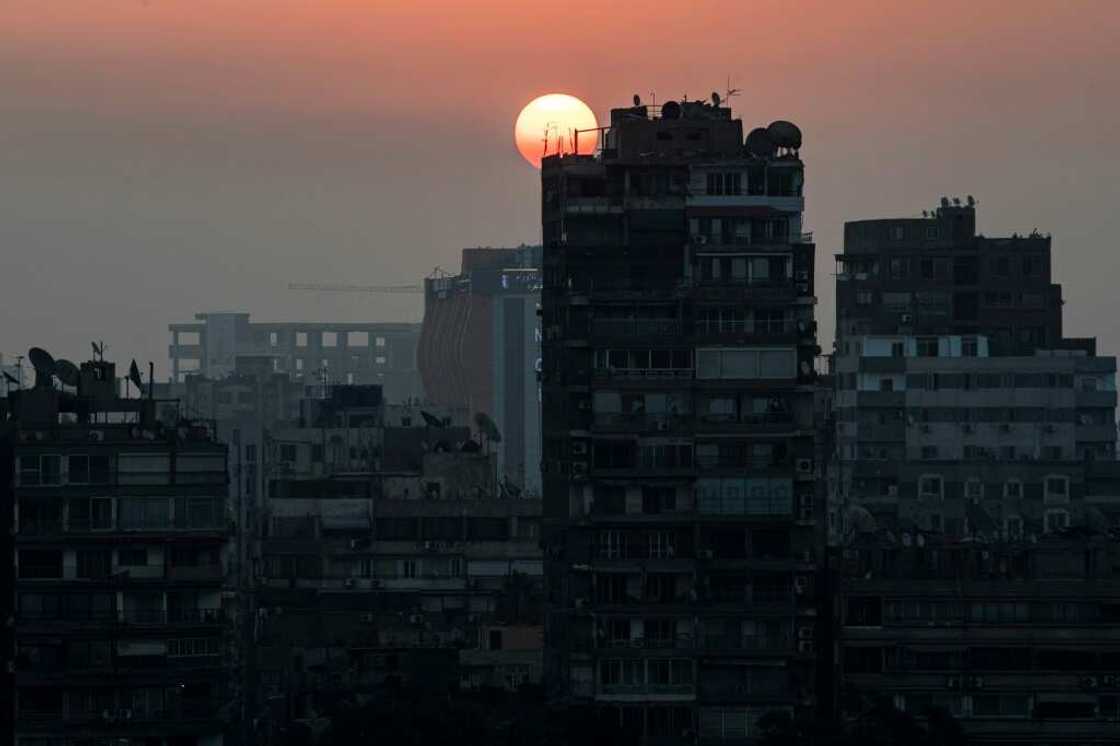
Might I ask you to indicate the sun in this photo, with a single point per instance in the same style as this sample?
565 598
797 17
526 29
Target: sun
549 124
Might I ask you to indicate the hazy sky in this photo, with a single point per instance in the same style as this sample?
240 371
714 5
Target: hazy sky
162 157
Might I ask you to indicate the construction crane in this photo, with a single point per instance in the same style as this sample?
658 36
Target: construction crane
342 288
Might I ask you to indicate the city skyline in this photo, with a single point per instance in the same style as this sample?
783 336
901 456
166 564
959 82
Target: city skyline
219 158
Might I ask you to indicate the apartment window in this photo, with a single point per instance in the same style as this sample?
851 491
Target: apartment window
1057 489
970 347
301 339
273 339
94 563
132 557
715 183
193 647
299 364
1056 520
898 349
898 269
898 232
930 485
37 564
927 347
329 339
357 339
379 342
929 453
927 269
974 489
1013 488
1013 527
1031 266
932 232
380 360
408 568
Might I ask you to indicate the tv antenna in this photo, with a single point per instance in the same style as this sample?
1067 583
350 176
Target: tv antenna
729 92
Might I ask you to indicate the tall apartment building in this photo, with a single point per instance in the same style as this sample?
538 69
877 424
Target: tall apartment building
314 352
973 490
120 535
480 350
679 449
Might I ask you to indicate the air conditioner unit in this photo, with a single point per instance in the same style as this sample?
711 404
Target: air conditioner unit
802 274
581 603
375 583
1086 419
906 318
1110 680
416 619
125 714
805 647
953 682
892 490
429 546
804 633
579 448
348 583
706 554
976 682
1090 682
579 468
804 466
367 618
800 584
107 716
97 435
700 239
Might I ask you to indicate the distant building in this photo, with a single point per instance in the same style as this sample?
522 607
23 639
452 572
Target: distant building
120 550
324 353
680 457
480 350
974 487
387 553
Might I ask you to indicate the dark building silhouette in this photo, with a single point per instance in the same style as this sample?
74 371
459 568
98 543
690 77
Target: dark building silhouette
679 458
974 500
120 543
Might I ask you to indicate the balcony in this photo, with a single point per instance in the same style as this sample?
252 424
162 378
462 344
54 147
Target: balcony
635 328
195 573
126 617
642 423
748 643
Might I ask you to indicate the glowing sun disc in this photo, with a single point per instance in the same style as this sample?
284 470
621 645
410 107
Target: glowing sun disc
548 125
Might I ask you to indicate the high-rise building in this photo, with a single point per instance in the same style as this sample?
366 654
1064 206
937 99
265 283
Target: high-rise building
480 350
120 547
679 454
217 344
973 491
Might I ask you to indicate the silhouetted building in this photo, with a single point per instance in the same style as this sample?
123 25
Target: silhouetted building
388 555
973 489
121 538
314 352
480 350
679 457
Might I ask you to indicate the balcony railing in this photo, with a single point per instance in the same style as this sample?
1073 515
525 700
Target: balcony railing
636 327
132 617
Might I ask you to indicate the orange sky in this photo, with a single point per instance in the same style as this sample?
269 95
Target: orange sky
162 157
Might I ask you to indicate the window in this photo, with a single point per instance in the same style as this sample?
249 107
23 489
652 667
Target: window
37 564
132 557
408 568
379 342
970 347
930 485
899 269
329 339
1013 527
301 339
77 469
273 339
974 489
715 183
1057 489
194 647
1013 488
898 232
898 349
1056 520
357 339
1031 265
927 347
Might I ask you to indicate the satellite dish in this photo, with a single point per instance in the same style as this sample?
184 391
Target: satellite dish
759 143
67 372
670 110
716 100
637 100
785 134
44 364
431 420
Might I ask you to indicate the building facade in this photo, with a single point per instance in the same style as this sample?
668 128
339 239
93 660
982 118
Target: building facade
972 500
679 455
319 353
121 545
480 350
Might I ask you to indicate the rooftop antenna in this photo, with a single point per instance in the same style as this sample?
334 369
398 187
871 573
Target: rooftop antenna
98 351
730 92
